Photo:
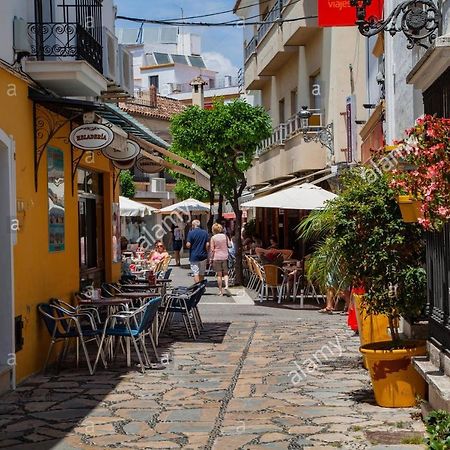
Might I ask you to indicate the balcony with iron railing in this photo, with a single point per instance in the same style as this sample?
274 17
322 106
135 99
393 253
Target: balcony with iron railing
289 129
65 41
272 16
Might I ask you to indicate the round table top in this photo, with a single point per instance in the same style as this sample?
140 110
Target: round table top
132 295
106 301
140 286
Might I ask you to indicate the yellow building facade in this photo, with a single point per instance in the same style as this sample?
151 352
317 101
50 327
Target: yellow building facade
39 273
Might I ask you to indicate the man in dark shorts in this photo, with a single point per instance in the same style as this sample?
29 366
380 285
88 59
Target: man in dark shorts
198 244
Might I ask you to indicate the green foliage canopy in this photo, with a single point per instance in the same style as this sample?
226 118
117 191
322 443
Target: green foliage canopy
187 188
222 141
127 186
364 234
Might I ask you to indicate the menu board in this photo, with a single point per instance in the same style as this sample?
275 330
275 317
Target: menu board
56 213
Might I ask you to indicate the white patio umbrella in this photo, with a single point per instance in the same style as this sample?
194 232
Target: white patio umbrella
130 208
306 196
191 205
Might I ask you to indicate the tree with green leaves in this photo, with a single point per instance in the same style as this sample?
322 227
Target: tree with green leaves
127 186
223 141
188 188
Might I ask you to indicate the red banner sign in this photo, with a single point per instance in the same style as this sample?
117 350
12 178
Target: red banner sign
339 13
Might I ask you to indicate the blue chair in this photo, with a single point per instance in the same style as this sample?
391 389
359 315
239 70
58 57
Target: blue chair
63 326
133 325
185 301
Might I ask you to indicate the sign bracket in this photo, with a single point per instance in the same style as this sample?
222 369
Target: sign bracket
46 125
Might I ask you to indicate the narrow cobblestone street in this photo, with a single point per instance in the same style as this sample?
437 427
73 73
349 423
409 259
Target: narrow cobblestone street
258 377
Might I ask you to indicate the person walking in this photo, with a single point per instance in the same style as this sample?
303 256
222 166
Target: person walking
177 241
220 244
198 244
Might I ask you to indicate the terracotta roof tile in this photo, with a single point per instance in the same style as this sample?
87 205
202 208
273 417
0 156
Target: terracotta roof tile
165 108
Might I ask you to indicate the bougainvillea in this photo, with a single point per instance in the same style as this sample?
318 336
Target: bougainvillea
426 149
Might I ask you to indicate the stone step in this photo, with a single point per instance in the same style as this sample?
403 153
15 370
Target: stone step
434 377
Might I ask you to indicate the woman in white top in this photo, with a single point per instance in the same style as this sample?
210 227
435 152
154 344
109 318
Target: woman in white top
219 245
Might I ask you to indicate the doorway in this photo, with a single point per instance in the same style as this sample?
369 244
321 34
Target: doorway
91 228
7 240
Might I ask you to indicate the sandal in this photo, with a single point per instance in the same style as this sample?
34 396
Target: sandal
326 310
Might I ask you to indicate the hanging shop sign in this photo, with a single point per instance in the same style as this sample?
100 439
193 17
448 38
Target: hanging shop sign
129 152
124 165
91 136
148 166
339 13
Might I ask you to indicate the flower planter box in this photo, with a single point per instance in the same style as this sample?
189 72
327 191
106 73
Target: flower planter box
410 208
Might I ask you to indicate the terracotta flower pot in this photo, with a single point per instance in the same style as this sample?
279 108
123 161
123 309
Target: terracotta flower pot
395 381
410 208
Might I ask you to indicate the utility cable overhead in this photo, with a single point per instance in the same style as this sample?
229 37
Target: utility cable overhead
211 24
218 13
244 21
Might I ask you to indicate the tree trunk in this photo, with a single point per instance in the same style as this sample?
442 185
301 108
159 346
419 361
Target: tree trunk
239 281
211 205
220 209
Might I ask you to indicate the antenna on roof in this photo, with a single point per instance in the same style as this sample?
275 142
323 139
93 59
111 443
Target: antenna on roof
140 35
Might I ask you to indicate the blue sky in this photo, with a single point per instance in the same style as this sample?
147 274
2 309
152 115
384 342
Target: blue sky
224 40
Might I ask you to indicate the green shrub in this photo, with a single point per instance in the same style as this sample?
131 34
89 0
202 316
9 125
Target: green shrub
438 429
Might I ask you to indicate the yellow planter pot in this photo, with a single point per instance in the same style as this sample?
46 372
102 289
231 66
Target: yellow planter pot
372 327
396 384
410 208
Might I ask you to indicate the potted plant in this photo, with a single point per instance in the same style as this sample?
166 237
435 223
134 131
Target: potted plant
385 255
425 188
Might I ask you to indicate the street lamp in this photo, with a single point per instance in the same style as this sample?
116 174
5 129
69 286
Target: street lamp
324 134
418 20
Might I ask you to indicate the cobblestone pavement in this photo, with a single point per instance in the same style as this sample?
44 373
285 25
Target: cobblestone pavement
249 382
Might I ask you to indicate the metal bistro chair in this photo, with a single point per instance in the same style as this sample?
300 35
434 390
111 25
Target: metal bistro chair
253 278
63 326
273 278
134 325
185 301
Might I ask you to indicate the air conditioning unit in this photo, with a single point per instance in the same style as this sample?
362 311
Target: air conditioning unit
126 79
158 184
110 56
21 43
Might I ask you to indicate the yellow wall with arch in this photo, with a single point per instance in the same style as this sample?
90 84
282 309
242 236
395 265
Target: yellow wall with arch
39 274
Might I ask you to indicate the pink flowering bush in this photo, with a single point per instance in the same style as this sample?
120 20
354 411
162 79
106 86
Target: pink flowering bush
427 150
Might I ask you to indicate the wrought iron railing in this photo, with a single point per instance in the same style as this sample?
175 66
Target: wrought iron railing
289 129
438 266
64 41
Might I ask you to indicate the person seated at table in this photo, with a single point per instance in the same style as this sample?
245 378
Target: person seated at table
269 256
158 254
273 242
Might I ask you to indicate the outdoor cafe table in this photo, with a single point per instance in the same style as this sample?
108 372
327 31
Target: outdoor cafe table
106 301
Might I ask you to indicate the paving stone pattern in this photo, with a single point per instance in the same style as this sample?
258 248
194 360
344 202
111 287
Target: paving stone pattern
237 387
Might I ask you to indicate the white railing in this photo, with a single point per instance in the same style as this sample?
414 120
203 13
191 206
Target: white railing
218 83
289 129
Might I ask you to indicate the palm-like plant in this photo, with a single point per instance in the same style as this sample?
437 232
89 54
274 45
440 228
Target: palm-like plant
326 266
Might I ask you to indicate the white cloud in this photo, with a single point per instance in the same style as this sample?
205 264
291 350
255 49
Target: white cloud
220 63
